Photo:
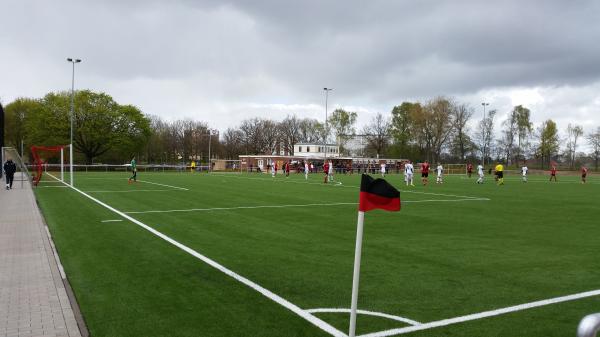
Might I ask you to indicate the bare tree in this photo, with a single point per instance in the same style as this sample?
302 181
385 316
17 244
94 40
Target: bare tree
574 132
508 135
594 141
233 143
485 134
377 134
460 117
290 133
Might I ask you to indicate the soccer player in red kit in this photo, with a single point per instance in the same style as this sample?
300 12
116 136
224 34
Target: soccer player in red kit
326 172
553 173
583 174
469 169
425 172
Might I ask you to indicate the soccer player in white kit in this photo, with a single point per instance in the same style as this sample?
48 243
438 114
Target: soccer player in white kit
273 172
440 171
408 173
383 170
524 170
330 172
480 173
306 168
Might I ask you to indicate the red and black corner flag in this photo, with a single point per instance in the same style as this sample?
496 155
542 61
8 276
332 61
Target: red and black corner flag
378 193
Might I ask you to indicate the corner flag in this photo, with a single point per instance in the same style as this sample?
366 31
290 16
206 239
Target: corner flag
378 194
374 194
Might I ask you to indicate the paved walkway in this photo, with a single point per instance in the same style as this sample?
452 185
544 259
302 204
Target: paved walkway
33 298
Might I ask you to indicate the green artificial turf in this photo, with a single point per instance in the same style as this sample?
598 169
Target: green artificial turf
444 255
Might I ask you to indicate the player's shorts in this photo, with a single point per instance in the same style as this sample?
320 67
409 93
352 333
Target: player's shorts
500 174
553 174
584 175
480 175
425 174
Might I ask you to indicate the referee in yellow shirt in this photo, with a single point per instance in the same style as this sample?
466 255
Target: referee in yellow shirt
500 173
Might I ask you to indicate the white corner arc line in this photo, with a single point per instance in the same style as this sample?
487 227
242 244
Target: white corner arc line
265 292
366 312
484 314
164 185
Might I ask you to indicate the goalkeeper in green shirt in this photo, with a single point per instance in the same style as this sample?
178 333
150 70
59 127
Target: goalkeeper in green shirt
134 170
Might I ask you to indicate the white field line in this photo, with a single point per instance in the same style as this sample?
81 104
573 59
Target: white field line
164 185
347 186
283 180
239 207
446 200
265 292
567 181
52 186
132 191
365 312
116 220
298 205
481 315
442 194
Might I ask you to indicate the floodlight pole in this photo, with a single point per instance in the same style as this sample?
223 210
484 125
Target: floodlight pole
73 61
484 104
327 90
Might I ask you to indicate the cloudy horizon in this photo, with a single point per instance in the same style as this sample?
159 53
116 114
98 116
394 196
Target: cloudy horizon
221 62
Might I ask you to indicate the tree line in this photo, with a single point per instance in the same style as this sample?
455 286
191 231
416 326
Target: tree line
435 130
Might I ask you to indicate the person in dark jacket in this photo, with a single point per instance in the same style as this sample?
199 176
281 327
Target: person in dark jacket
9 169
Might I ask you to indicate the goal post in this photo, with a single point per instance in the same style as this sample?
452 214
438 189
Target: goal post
12 153
48 158
455 169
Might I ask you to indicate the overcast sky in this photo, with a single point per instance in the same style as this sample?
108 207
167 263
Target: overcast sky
224 61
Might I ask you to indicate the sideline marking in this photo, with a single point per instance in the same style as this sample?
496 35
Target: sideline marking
267 293
116 220
485 314
366 312
299 205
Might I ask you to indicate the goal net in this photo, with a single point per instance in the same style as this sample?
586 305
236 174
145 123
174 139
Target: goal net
48 159
455 168
221 165
22 173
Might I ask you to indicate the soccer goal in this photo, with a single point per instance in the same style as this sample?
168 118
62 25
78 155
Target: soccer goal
221 165
455 169
22 173
48 159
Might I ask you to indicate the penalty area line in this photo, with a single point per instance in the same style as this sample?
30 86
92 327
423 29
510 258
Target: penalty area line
485 314
265 292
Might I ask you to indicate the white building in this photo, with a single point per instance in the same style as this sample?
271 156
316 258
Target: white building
312 150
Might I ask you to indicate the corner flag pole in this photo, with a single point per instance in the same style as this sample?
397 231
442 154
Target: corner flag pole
355 278
374 194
